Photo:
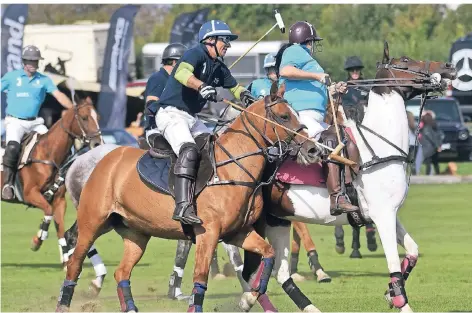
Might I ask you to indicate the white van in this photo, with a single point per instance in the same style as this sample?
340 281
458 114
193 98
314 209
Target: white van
247 69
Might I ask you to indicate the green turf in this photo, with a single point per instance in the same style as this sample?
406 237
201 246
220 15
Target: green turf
438 217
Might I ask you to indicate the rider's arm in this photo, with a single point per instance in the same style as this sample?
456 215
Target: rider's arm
62 99
154 87
184 75
230 83
291 72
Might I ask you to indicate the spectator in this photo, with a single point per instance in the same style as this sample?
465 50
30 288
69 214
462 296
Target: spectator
431 140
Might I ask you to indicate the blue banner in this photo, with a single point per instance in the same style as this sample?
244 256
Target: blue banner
112 98
186 27
13 24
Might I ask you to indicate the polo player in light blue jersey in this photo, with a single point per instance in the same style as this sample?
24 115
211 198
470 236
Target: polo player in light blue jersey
306 89
260 88
26 90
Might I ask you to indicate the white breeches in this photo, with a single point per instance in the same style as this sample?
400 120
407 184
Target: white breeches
15 128
177 127
313 120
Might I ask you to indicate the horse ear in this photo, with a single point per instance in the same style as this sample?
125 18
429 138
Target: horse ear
386 54
273 91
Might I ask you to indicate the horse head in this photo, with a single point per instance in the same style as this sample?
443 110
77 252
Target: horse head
81 123
282 134
411 77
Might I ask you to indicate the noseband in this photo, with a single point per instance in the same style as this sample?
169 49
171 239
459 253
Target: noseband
84 137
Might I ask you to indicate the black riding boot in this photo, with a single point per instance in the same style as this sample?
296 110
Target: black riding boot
10 164
185 171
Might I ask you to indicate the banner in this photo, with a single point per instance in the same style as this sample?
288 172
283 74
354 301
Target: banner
13 23
112 99
186 27
461 57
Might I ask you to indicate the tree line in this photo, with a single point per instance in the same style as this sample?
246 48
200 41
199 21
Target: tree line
420 31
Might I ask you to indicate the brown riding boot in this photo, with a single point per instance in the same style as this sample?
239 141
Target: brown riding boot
339 202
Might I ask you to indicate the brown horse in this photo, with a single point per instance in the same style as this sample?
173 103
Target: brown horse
115 197
39 180
379 188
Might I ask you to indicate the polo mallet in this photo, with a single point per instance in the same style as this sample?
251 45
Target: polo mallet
334 155
279 23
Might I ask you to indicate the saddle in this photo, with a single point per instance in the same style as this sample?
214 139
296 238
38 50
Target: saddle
28 143
156 166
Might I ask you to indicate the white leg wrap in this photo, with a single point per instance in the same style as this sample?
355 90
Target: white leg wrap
98 265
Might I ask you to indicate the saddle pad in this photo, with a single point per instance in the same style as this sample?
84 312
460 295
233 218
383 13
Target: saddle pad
27 145
158 172
293 173
155 172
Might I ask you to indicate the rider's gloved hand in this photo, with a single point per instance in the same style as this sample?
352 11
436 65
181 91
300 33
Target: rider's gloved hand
326 80
246 98
207 92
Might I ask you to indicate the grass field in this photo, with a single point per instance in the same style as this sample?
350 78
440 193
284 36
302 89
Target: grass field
438 217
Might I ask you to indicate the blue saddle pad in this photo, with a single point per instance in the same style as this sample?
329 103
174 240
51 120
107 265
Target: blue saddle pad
155 172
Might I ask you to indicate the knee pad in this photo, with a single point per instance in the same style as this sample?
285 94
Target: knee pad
329 137
188 160
12 152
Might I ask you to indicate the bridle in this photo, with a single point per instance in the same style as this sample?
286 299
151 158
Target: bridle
84 137
275 152
422 81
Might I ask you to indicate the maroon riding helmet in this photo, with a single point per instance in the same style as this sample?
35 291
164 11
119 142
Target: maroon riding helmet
303 32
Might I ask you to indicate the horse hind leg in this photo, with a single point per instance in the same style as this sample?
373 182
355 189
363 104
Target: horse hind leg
175 281
134 247
356 243
279 238
34 197
59 208
302 230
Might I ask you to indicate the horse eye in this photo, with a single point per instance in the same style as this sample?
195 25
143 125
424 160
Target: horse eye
285 116
85 118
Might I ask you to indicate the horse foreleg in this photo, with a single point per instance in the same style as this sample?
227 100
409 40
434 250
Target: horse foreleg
175 281
251 241
295 253
34 197
370 234
313 261
59 205
237 262
386 221
411 248
339 235
279 238
134 247
206 242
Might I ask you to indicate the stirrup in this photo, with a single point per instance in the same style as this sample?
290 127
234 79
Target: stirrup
338 210
12 192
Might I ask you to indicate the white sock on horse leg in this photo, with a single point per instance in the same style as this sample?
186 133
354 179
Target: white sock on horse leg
180 273
385 220
98 266
405 240
43 234
279 238
64 256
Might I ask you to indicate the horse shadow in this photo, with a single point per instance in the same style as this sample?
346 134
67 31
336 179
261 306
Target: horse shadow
334 274
58 265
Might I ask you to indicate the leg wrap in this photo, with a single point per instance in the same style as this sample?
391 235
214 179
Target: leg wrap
181 254
356 243
295 294
67 291
397 291
408 263
294 263
313 261
125 296
196 300
261 277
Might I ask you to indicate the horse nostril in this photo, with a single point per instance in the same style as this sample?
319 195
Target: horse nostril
313 152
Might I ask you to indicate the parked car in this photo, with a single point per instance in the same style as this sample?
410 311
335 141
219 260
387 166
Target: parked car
457 142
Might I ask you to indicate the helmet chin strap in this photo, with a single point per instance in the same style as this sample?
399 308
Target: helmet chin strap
214 47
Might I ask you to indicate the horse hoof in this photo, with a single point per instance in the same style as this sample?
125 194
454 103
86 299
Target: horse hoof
247 301
36 243
311 308
388 298
182 297
340 249
94 290
219 276
297 277
62 308
406 308
355 254
322 277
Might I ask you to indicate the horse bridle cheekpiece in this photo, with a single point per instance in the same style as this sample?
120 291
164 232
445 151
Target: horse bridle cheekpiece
84 137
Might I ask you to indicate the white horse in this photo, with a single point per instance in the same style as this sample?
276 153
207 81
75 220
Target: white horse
381 188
